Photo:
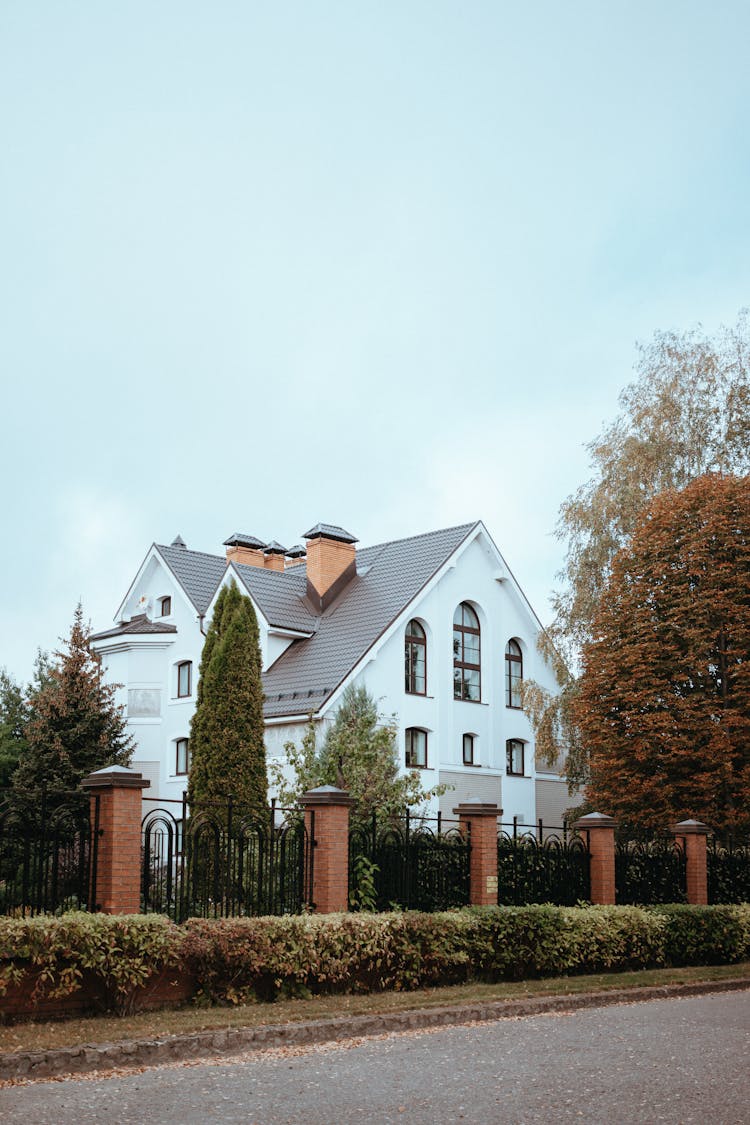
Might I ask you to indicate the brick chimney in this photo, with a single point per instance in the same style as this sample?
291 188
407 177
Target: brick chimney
245 549
274 556
331 562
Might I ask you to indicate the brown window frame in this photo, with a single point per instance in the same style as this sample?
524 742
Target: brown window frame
511 683
178 743
410 731
165 606
189 665
509 744
459 650
472 741
411 639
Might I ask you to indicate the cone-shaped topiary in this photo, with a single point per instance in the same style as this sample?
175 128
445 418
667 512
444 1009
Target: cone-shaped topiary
226 734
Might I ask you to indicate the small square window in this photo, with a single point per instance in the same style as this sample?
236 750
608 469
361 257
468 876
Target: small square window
182 749
184 677
514 756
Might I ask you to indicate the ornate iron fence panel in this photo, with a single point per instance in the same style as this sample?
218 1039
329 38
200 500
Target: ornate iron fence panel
48 855
413 865
554 868
649 871
211 862
728 871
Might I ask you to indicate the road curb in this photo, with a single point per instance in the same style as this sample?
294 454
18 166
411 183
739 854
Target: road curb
228 1041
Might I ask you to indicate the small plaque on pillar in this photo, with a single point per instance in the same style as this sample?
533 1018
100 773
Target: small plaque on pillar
492 884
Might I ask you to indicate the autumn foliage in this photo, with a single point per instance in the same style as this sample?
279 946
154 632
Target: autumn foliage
664 701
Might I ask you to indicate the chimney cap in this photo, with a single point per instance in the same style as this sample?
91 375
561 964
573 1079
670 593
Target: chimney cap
296 552
179 542
239 539
274 548
330 531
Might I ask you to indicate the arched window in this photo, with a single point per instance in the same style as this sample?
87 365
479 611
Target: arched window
466 654
513 674
514 757
165 606
416 748
415 658
184 678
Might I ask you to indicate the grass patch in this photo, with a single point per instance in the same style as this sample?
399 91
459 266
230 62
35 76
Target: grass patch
150 1025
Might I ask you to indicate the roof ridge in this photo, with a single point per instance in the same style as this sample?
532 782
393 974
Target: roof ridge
188 551
422 535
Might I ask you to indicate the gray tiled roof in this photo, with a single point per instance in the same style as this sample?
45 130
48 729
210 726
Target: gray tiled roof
198 573
281 596
389 577
138 624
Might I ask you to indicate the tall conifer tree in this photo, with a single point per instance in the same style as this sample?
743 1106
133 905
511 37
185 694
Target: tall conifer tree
228 758
74 725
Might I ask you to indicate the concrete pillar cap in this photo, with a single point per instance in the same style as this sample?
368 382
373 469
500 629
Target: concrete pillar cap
475 806
327 795
115 777
596 820
691 828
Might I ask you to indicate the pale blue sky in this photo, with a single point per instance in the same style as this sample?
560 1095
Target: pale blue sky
381 265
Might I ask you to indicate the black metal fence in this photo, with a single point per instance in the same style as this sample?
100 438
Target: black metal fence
415 863
216 861
650 870
48 855
541 864
728 871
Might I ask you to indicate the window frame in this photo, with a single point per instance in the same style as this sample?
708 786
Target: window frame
513 679
189 665
165 606
409 748
472 742
178 742
460 665
510 743
410 640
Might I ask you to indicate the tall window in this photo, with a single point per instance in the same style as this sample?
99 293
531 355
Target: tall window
416 748
513 674
470 743
415 658
184 677
466 656
165 607
514 755
182 747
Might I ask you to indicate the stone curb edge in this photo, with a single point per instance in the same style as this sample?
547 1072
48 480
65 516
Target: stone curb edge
228 1041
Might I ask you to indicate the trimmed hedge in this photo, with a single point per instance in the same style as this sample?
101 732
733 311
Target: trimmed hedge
239 959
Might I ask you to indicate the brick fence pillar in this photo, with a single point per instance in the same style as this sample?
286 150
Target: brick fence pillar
118 848
600 834
327 824
692 835
478 821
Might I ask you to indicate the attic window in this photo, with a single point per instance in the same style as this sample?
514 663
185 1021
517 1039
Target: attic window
165 607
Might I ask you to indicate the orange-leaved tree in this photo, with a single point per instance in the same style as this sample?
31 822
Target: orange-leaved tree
664 700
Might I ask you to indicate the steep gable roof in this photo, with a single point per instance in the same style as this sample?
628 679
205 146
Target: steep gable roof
389 576
197 572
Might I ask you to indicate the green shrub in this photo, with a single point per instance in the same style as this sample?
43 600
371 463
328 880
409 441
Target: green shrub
237 959
121 952
705 935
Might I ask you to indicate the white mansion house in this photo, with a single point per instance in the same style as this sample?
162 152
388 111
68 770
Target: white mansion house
435 626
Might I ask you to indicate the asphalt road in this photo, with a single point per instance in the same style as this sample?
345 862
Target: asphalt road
685 1060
